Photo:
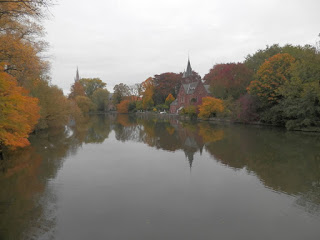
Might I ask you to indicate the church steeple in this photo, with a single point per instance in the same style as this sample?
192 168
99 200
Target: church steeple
77 78
189 69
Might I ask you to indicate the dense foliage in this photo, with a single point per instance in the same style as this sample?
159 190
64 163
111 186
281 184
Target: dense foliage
19 112
228 80
210 107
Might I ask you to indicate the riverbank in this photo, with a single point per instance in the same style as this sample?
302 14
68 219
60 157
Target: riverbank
224 121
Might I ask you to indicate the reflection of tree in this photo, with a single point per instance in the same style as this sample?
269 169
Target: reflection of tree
25 173
284 161
167 135
19 183
98 130
210 133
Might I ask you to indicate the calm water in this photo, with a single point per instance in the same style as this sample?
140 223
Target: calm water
120 177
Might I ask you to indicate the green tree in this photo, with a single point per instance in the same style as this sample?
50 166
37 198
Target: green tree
54 106
120 91
91 84
84 103
100 98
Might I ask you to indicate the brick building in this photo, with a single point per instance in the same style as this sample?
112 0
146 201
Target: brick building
191 92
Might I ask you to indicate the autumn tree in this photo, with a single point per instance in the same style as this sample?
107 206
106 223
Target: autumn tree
210 107
91 84
123 106
228 80
165 84
272 74
19 112
169 99
23 8
120 91
20 39
76 90
254 61
148 91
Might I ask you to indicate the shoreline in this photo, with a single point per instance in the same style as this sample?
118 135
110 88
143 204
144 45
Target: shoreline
225 121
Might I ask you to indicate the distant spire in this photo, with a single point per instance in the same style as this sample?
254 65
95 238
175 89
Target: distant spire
189 69
77 78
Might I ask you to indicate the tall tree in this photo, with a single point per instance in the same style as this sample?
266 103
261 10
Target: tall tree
165 84
120 91
91 84
275 72
19 113
76 90
55 108
100 98
148 91
228 80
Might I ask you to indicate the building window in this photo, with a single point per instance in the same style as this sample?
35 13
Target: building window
194 100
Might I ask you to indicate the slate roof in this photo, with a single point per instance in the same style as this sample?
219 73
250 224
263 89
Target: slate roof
175 102
190 87
207 88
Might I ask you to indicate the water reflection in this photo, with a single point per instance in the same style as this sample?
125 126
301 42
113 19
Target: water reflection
284 161
287 162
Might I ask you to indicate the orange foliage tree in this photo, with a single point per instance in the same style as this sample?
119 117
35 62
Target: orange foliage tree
272 74
169 99
76 90
19 113
123 106
210 107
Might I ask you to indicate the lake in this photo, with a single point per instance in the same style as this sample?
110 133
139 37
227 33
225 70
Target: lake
144 177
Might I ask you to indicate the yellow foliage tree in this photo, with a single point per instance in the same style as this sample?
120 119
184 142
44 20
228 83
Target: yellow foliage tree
148 91
272 74
210 107
19 113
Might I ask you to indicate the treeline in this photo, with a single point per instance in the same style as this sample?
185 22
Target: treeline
278 85
89 95
154 94
28 101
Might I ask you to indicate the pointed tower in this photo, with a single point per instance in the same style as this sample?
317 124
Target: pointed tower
188 76
77 78
189 69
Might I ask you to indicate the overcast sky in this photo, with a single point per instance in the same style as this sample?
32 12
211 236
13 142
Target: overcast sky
130 40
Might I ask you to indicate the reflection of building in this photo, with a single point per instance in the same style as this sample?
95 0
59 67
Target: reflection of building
111 106
191 142
191 92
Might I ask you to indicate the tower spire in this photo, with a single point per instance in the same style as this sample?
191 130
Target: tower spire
77 78
189 69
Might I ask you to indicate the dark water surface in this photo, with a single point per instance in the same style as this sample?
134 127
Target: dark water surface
121 177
